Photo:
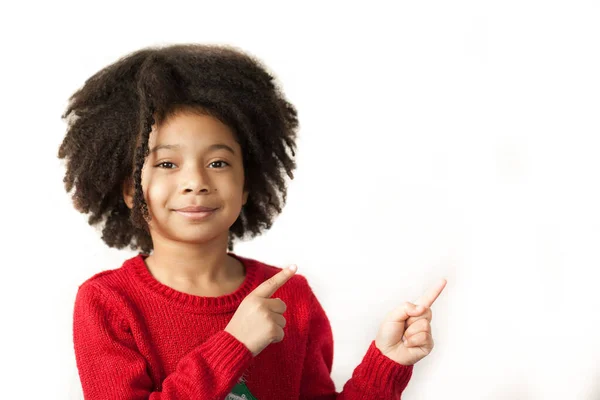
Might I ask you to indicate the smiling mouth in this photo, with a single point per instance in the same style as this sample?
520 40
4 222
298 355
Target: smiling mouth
196 215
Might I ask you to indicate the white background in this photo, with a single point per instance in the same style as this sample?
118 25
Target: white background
439 139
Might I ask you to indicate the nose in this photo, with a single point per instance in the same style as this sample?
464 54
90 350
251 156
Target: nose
196 180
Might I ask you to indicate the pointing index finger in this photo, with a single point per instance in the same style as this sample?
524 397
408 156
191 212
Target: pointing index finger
270 286
432 294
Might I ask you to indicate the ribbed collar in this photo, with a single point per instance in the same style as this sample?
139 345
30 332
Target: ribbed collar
192 303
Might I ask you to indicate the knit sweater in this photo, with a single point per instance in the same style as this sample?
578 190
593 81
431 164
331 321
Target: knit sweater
136 338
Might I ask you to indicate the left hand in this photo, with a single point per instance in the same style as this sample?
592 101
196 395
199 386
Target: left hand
412 324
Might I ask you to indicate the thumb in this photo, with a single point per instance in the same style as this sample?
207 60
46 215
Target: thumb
391 331
404 312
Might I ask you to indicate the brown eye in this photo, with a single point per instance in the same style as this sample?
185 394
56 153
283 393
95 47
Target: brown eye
165 163
220 162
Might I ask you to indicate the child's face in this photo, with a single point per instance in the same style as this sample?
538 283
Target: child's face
197 169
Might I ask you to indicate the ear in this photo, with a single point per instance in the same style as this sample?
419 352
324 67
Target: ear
128 191
245 197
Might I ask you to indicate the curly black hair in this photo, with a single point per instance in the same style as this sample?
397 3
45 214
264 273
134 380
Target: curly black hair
111 116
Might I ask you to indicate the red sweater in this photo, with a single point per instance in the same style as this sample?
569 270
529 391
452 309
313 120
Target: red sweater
136 338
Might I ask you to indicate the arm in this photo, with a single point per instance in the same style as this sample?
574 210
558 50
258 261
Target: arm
110 366
376 377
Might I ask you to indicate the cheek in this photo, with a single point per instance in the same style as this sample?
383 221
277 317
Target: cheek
235 189
156 190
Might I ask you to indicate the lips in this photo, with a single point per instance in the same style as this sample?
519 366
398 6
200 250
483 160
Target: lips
196 209
196 213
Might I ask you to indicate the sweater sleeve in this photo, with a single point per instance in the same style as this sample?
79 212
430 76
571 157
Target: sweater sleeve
111 367
376 377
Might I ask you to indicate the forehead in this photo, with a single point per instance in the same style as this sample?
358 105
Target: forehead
190 129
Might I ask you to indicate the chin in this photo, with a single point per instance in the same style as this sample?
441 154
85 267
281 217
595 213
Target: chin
197 237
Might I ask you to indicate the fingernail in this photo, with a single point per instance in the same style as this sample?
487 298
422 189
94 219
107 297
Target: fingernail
293 268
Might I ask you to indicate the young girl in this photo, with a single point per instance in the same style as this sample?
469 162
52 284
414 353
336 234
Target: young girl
177 151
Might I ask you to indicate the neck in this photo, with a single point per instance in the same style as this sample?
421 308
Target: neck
193 264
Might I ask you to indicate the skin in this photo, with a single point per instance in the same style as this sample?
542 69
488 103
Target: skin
191 256
410 321
259 321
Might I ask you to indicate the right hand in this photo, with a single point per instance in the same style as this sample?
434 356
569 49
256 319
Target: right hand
258 321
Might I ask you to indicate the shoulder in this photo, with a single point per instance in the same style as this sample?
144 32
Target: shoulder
105 286
101 307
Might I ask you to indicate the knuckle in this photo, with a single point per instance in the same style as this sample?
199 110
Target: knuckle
264 312
276 333
278 305
283 305
274 330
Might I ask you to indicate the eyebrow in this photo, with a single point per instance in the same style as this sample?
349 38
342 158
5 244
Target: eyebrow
217 146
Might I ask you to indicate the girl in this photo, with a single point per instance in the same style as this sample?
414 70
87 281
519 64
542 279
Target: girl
176 151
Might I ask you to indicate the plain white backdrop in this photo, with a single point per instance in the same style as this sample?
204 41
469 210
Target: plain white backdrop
438 139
